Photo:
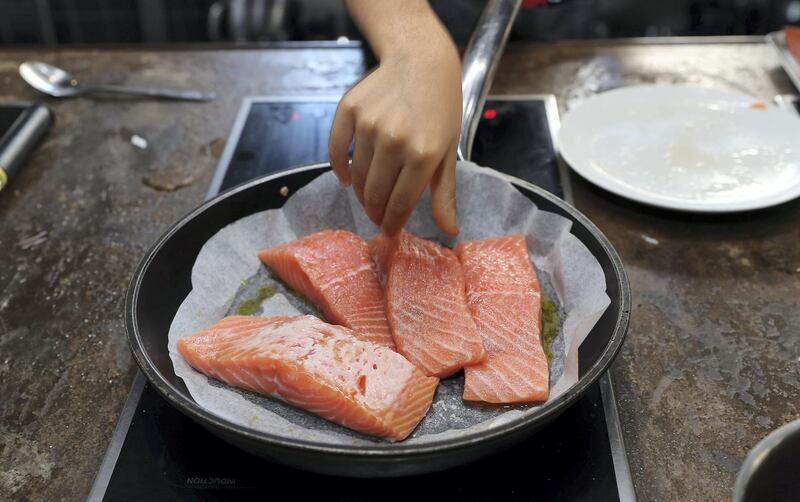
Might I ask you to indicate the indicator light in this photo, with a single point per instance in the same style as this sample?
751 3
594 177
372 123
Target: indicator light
530 4
489 113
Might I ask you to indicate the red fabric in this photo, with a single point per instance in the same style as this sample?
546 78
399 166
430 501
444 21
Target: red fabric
793 40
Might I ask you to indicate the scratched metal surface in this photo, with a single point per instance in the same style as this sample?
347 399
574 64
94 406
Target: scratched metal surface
709 367
93 203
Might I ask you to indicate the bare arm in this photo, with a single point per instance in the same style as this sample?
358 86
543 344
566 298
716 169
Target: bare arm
405 116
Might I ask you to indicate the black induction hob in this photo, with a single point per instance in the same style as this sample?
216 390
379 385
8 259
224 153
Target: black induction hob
156 453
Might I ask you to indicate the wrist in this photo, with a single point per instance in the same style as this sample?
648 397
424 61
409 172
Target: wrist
436 48
403 30
415 32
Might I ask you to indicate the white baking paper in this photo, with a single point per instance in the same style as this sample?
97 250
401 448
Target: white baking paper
227 271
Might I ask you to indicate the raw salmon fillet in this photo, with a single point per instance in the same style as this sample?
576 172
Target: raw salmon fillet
335 271
318 367
503 295
427 307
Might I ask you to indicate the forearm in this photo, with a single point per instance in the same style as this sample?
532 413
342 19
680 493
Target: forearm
401 27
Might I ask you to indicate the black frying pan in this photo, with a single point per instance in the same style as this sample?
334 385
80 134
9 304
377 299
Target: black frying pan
163 279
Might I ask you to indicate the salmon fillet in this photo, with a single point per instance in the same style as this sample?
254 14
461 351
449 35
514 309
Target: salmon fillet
504 297
427 307
318 367
334 270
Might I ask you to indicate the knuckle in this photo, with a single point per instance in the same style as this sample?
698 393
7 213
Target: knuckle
444 194
422 155
398 207
373 199
367 126
349 105
393 140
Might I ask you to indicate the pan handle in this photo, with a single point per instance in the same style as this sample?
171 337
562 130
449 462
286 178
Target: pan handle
480 63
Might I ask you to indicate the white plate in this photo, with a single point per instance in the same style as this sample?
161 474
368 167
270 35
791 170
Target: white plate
685 148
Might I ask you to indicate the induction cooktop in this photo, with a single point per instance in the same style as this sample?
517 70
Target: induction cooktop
156 453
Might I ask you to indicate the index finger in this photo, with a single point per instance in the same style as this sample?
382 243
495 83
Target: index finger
342 132
407 190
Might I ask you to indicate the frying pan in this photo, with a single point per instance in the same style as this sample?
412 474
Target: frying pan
163 279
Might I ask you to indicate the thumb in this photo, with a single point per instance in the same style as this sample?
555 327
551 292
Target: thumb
443 194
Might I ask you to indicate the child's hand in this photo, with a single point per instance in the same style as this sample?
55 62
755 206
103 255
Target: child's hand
405 118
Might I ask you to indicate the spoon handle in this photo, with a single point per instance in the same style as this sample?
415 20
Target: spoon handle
151 92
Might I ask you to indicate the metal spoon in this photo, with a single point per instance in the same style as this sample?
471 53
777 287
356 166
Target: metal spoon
56 82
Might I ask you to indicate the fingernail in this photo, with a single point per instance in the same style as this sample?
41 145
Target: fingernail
454 228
